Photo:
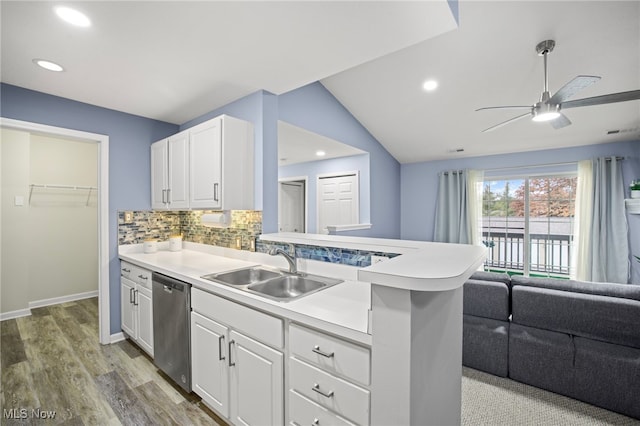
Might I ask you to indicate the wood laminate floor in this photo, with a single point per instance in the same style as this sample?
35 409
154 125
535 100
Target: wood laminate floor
52 361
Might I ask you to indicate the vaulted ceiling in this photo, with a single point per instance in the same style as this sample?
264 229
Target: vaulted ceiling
174 61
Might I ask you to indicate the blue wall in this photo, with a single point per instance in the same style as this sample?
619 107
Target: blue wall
312 169
420 183
312 107
129 161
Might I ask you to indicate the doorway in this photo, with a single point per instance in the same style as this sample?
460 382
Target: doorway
292 208
101 200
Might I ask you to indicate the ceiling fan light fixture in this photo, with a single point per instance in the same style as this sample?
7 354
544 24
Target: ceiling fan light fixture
545 116
545 112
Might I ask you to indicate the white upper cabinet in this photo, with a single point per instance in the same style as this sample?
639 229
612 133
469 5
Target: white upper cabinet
209 166
170 172
221 159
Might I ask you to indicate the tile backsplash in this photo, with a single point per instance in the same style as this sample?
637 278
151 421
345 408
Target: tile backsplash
245 224
160 225
344 256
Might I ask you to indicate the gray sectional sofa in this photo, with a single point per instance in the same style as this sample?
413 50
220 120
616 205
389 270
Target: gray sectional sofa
578 339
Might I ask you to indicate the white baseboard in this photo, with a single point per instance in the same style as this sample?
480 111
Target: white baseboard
117 337
62 299
47 302
15 314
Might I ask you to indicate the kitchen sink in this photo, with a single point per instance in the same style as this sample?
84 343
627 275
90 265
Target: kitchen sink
273 284
244 276
290 287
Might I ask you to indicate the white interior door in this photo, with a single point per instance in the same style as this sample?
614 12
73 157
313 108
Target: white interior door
338 201
291 210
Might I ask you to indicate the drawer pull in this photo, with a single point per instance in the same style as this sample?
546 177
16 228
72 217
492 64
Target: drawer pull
316 388
317 350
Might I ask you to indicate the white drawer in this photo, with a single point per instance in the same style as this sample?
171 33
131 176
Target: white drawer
258 325
143 277
338 395
304 412
127 269
331 353
136 274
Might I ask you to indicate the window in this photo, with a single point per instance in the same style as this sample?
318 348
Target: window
527 224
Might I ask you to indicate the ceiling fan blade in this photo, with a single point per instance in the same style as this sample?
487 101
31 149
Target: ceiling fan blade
560 122
505 107
571 88
631 95
511 120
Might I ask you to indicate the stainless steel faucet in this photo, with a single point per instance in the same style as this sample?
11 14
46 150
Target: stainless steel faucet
292 260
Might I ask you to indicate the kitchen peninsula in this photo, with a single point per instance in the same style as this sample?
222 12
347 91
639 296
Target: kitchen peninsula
385 345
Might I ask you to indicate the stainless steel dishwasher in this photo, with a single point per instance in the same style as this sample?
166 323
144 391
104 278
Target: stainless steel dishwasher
171 328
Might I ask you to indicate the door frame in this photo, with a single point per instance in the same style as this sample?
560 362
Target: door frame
304 179
103 208
355 173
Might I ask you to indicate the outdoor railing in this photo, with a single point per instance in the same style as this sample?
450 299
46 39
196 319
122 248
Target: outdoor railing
548 253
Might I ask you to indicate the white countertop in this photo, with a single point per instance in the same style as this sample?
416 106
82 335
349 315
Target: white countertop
342 309
423 266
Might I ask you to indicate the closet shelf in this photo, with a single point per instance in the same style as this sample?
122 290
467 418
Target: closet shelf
67 187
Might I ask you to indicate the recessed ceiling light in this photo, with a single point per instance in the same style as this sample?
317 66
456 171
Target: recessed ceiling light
73 16
430 85
48 65
321 153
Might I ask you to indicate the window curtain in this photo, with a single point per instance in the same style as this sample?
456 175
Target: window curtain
601 250
458 207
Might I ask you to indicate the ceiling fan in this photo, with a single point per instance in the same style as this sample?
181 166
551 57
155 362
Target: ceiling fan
549 107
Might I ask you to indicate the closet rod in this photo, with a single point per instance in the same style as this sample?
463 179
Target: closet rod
72 187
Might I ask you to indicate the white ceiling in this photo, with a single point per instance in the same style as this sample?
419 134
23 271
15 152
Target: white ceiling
298 145
174 61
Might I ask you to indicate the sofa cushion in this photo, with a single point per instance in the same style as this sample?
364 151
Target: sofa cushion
607 375
485 344
501 277
488 299
609 319
541 358
627 291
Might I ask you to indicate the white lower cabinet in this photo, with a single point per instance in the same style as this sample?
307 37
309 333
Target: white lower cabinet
303 412
238 376
209 370
136 305
327 379
257 382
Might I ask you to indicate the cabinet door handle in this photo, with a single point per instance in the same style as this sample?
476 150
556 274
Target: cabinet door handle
317 350
220 339
231 364
316 388
135 297
131 295
215 192
169 196
164 191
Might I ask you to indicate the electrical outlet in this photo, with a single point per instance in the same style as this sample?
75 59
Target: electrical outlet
377 259
239 242
128 217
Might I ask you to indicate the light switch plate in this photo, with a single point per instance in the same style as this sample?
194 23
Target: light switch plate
19 200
